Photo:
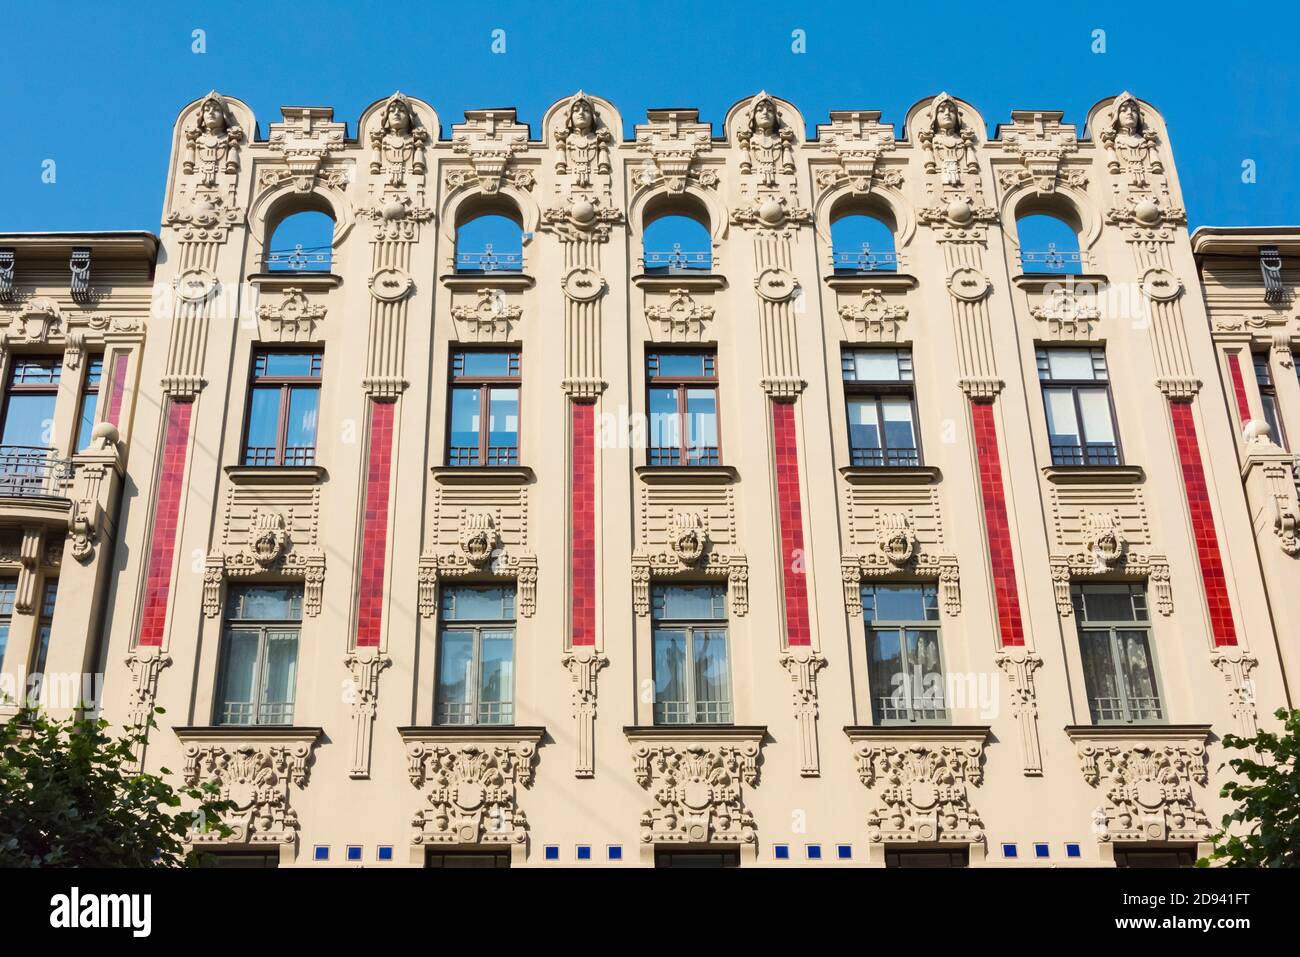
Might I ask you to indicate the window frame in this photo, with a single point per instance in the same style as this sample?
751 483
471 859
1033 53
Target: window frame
915 716
877 389
261 626
1268 396
688 626
682 385
44 625
485 385
1112 627
8 598
286 385
1074 386
89 388
477 626
50 388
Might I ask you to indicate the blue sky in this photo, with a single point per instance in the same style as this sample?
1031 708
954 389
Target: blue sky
96 86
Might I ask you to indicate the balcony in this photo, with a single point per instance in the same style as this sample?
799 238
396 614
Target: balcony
1051 261
863 262
677 262
28 471
299 259
488 262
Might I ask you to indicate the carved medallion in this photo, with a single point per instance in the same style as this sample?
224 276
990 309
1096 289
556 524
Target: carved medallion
775 284
968 283
582 284
390 284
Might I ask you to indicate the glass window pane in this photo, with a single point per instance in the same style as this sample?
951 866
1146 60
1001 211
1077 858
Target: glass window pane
485 364
899 433
1097 425
712 677
86 421
885 671
290 364
1099 676
479 604
263 424
1108 603
926 672
503 418
1062 424
496 678
265 603
455 677
697 602
1070 363
465 410
664 425
1139 675
280 677
902 603
29 420
876 365
235 705
300 437
683 365
864 424
670 676
702 418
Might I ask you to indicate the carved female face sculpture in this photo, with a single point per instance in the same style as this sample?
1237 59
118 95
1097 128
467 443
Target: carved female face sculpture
581 116
212 118
765 116
1128 117
945 116
397 117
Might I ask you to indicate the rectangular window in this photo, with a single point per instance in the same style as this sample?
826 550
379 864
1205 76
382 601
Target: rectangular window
1115 643
44 625
29 405
8 592
283 405
259 657
89 401
904 666
1076 395
483 408
692 667
682 402
476 656
1268 397
881 402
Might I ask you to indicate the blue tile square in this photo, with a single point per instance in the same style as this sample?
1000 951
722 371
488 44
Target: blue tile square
385 853
552 852
1072 850
616 852
584 852
1042 850
322 853
781 852
814 852
354 852
844 852
1010 850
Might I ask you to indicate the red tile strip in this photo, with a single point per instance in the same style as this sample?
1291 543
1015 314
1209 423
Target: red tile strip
118 385
1207 540
1239 387
374 526
167 510
582 511
785 442
1002 560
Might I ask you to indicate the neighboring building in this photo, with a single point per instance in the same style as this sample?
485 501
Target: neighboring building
868 527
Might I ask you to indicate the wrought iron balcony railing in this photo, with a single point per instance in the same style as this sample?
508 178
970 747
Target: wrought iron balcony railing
676 262
489 261
864 261
1053 261
28 471
300 259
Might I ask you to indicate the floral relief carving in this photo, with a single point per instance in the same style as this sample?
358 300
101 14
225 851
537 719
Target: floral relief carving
874 318
1067 313
681 318
471 786
698 790
293 319
276 541
924 784
488 319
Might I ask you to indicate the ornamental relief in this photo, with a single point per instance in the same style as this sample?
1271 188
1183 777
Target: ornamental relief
857 142
258 774
875 316
1146 786
292 319
923 784
1140 190
688 531
769 193
470 785
698 789
1066 312
488 317
205 206
486 537
678 317
671 143
954 201
491 139
1041 143
306 140
398 143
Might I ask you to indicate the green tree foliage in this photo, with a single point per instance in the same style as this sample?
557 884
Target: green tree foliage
1264 830
70 796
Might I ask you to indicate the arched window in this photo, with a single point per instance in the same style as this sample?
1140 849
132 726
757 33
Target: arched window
1048 244
490 242
676 238
862 243
302 242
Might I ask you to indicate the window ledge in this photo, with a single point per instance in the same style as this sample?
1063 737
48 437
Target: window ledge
276 474
704 282
1093 474
1039 281
472 282
243 732
478 733
871 280
482 474
1142 732
696 732
687 474
302 280
974 733
890 475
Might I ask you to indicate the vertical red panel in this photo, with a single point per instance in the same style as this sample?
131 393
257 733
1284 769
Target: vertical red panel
785 443
1002 561
1239 387
117 384
374 526
1207 540
582 511
167 510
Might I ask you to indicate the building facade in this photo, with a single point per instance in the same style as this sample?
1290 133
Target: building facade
767 550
